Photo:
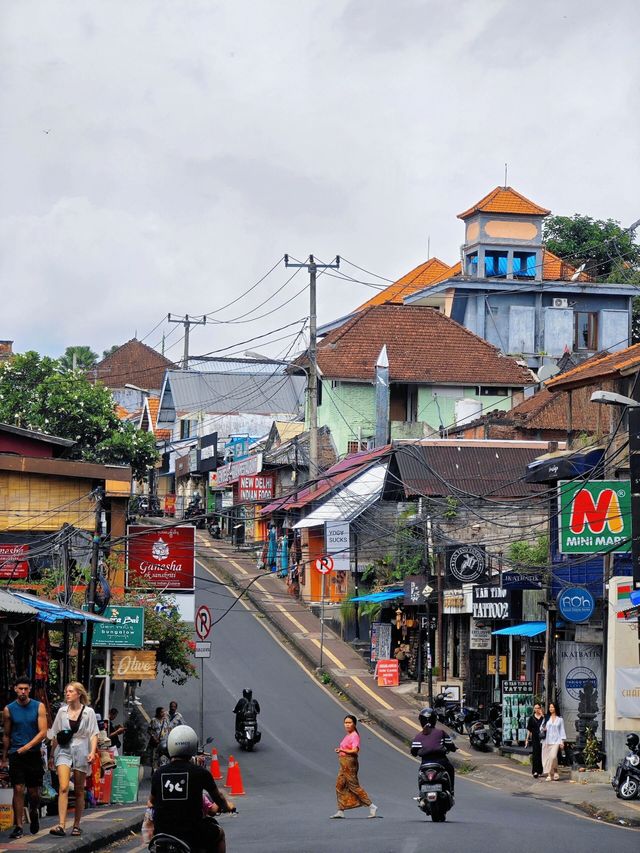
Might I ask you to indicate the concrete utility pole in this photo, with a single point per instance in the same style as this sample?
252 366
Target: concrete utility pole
187 322
93 583
312 385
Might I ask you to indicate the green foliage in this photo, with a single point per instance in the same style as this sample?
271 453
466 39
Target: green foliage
36 394
609 251
110 351
85 359
451 511
524 554
591 751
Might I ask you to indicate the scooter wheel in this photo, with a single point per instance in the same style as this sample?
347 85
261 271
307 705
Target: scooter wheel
628 790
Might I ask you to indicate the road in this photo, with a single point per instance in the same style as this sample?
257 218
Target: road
289 779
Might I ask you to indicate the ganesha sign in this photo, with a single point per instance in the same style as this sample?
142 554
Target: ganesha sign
594 516
161 557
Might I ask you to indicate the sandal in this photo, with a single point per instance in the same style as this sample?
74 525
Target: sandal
76 831
57 830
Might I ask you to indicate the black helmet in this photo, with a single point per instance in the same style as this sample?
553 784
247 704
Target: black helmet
427 717
632 741
247 694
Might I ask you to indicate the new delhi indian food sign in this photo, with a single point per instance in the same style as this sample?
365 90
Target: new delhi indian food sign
594 516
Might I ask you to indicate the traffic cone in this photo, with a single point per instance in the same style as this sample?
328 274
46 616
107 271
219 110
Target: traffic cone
234 779
214 767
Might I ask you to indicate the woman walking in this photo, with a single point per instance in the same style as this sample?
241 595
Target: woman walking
158 734
75 740
349 792
533 737
554 738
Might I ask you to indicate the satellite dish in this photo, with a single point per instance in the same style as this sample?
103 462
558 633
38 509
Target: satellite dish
547 371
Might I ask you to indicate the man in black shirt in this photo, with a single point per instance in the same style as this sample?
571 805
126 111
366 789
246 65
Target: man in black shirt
433 743
114 730
246 706
176 796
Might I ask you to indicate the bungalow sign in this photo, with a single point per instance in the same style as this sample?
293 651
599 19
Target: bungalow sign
594 517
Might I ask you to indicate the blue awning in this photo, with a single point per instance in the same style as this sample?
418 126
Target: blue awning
387 595
526 629
50 612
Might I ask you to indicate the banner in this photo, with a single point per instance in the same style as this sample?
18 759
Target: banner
628 692
517 707
161 557
380 641
594 516
14 563
579 679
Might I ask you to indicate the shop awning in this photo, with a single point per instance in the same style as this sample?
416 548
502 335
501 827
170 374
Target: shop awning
526 629
351 500
10 604
387 595
50 612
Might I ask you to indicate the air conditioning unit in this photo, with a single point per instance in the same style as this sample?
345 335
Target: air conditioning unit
558 302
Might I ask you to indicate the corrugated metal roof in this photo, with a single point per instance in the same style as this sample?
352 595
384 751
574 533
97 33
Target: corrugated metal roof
232 365
350 500
452 467
222 393
10 604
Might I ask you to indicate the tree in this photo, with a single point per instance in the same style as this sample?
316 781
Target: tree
85 358
608 251
35 394
110 351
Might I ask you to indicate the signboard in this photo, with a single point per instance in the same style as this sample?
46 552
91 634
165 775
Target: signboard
14 563
203 622
208 452
594 516
517 707
579 679
134 666
453 601
324 565
479 636
124 788
465 564
203 650
388 672
126 630
416 589
182 466
338 544
521 580
491 602
628 691
255 487
169 504
576 604
234 470
193 460
380 641
491 665
161 557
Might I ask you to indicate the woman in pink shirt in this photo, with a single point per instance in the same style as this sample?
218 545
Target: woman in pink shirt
349 792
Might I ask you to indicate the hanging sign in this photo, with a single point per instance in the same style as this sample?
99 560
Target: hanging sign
416 589
134 666
594 516
161 557
125 631
491 602
628 691
479 635
465 564
576 604
14 563
338 544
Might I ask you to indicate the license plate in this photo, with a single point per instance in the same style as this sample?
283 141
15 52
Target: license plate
426 789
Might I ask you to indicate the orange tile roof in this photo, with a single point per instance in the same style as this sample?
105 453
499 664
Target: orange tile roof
420 277
121 413
555 269
154 405
603 365
505 200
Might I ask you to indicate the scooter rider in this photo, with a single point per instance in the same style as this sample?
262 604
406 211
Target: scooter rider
432 743
176 796
247 706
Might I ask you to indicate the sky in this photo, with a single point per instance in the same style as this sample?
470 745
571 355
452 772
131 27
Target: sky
161 156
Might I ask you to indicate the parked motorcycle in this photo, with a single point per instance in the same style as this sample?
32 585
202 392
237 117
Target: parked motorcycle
446 708
248 735
479 736
626 782
215 531
195 511
434 791
495 723
465 718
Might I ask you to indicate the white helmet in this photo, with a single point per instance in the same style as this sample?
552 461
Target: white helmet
182 742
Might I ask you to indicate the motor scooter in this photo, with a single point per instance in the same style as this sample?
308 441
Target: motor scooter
479 736
248 735
196 512
165 843
446 707
435 796
626 782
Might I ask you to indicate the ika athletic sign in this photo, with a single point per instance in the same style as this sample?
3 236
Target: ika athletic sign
159 557
594 516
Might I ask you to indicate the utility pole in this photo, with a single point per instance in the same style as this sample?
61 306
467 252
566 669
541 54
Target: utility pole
64 552
187 322
312 384
93 583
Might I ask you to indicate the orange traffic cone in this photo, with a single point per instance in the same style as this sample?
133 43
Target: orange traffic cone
214 767
234 779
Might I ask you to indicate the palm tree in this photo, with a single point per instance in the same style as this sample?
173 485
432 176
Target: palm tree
81 358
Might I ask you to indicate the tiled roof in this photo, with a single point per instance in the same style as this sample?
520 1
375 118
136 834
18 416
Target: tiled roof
420 277
154 405
555 269
423 345
121 413
603 365
505 200
133 363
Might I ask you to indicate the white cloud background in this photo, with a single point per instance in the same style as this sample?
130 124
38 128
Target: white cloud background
191 143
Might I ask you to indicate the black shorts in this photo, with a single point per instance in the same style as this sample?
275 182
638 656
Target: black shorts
26 769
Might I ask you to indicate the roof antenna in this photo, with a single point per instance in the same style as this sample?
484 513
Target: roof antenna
428 247
506 167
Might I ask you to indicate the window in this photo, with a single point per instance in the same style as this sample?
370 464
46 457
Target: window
495 264
187 428
524 264
586 330
472 264
490 391
403 403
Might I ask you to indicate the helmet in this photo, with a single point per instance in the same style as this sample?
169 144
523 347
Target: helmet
182 742
247 694
427 717
632 741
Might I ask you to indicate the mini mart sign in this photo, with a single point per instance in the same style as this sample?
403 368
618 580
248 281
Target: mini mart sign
594 516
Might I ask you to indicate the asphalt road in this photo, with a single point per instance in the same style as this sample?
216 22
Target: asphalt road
289 779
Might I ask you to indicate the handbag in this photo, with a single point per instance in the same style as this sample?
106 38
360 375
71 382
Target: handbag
543 732
64 737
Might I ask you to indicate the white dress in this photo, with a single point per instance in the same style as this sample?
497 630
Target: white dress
74 754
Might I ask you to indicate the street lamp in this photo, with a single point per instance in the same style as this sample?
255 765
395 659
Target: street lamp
610 398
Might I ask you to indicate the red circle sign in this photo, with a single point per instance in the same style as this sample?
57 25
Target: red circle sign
324 565
203 622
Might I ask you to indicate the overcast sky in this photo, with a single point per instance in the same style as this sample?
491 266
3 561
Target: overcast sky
161 156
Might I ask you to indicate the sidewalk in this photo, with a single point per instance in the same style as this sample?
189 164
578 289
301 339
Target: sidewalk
395 709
